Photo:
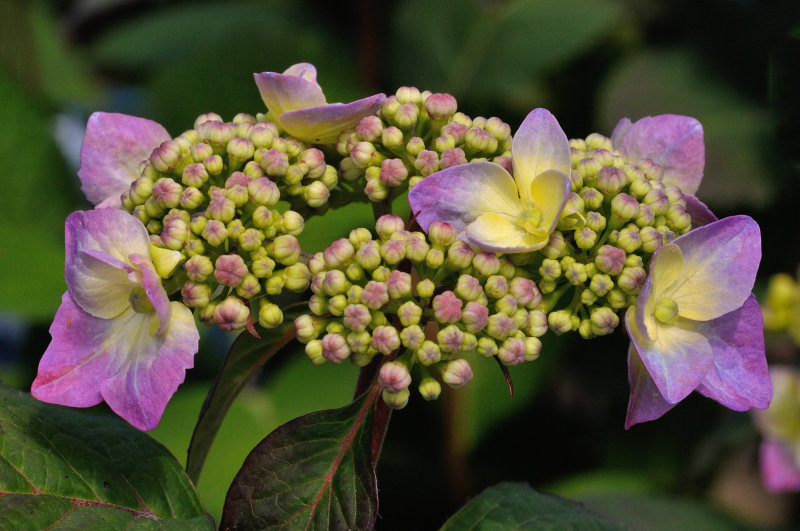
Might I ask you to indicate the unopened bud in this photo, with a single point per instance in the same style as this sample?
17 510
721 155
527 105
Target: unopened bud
456 373
394 376
231 314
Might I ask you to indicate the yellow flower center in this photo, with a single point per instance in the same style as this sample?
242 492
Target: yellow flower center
666 310
139 301
530 219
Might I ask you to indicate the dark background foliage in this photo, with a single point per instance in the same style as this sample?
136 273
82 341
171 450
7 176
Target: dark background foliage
735 65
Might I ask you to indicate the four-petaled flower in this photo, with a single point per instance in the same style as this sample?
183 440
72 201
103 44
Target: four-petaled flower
697 326
116 336
297 103
112 151
492 209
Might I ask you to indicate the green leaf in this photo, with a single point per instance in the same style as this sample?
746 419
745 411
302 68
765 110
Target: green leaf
62 468
314 472
247 355
518 506
736 131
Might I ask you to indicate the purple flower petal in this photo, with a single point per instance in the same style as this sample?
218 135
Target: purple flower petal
677 360
779 470
305 70
322 124
739 379
721 261
283 93
113 148
116 360
460 194
645 401
98 243
673 142
700 213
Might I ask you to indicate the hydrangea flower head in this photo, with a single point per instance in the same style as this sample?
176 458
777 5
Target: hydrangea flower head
492 209
696 324
116 336
298 104
113 148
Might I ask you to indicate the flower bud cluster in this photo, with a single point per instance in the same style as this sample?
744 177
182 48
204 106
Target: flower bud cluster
617 215
413 135
423 303
212 193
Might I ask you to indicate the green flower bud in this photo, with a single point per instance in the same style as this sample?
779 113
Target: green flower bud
263 267
603 321
556 246
575 273
412 337
601 284
592 198
308 327
314 352
588 297
631 280
596 221
611 180
429 389
617 299
285 249
337 304
460 255
585 238
434 258
550 269
214 165
651 239
214 232
629 240
195 294
425 288
297 277
560 321
397 400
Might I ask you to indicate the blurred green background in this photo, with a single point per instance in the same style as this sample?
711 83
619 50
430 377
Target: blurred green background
734 65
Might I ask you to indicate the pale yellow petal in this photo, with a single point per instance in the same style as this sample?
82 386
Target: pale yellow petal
499 233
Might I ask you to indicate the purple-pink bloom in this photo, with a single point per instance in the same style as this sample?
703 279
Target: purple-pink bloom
696 324
116 336
113 148
296 101
673 142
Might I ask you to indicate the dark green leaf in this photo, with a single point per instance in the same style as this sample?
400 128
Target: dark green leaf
518 506
314 472
247 355
67 469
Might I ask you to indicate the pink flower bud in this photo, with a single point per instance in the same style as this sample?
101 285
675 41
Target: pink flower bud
610 259
274 162
452 157
229 269
456 373
375 295
194 175
356 317
393 251
429 353
393 172
441 106
231 314
394 376
480 141
240 148
385 339
338 254
335 348
387 225
460 254
441 233
195 295
166 156
512 351
370 128
455 130
427 162
398 284
447 307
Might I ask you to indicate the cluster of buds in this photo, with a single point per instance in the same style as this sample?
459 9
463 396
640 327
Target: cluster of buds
422 303
413 135
616 216
212 193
